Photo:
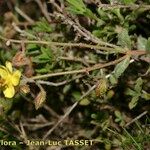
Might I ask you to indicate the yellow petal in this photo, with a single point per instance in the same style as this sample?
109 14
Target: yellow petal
16 77
9 91
3 72
9 66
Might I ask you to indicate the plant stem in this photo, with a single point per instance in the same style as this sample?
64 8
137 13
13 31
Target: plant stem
84 70
132 7
83 45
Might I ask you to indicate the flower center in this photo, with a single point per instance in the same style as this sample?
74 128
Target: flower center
2 82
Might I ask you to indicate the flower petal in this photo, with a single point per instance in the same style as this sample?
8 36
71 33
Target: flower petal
9 91
16 77
9 66
3 72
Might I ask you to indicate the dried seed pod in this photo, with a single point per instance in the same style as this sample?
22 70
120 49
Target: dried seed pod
24 89
101 88
20 59
40 98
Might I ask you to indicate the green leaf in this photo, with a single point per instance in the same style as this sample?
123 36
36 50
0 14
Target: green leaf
76 11
44 69
121 67
130 92
31 46
66 88
113 80
103 15
76 95
136 93
138 85
46 52
77 4
5 104
141 43
118 14
133 101
45 56
124 38
146 96
100 22
84 102
42 26
118 114
78 7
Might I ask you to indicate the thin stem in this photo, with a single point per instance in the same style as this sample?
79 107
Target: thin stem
84 70
77 60
80 45
82 31
83 45
133 6
43 9
136 118
25 16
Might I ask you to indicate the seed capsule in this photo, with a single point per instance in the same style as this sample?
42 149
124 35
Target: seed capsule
101 88
25 89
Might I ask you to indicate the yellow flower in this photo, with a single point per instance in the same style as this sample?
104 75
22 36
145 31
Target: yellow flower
9 79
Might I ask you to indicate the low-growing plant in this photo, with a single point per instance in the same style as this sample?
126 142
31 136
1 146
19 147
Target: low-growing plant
88 60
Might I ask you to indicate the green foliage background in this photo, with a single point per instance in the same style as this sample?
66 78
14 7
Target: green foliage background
78 35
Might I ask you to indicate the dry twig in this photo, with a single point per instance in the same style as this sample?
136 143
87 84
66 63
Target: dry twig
68 112
136 118
43 7
25 16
